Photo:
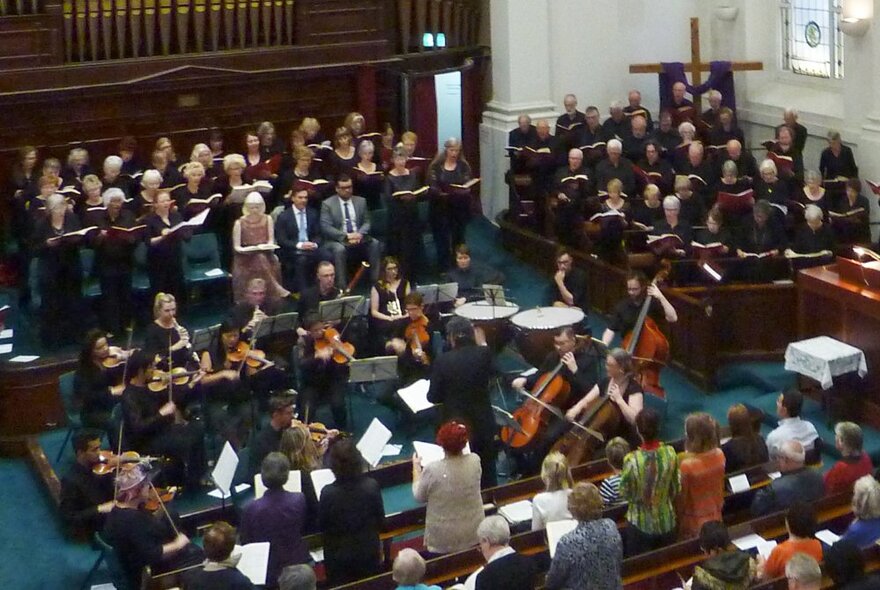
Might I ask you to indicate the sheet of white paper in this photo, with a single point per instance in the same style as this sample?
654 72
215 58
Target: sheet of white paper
317 554
749 541
724 440
416 396
224 470
23 358
739 483
5 348
254 561
221 495
373 442
391 450
529 372
517 512
765 548
214 272
428 452
103 587
774 475
827 537
320 479
7 333
556 530
293 484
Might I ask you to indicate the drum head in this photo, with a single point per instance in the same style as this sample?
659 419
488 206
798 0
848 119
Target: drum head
547 318
480 311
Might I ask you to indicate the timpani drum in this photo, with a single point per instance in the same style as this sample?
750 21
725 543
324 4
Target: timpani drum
536 329
491 318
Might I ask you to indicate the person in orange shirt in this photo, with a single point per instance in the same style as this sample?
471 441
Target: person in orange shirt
702 475
801 523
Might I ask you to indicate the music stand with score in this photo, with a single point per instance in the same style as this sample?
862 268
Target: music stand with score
342 309
438 293
372 370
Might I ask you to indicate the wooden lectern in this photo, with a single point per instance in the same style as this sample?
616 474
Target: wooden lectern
843 301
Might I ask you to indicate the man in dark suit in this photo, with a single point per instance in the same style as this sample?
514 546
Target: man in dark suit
298 233
505 568
797 483
345 224
460 381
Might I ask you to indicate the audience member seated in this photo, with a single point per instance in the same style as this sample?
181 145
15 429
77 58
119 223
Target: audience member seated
726 566
864 530
616 166
800 521
701 498
297 577
791 426
86 498
408 571
672 224
803 573
746 447
298 233
451 489
351 515
797 482
471 275
96 388
569 283
812 237
345 224
837 161
615 451
854 462
505 568
278 518
649 482
592 552
268 438
852 223
219 572
552 504
845 565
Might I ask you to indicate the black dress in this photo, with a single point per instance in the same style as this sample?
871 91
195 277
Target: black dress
369 185
165 258
390 303
114 260
404 227
450 209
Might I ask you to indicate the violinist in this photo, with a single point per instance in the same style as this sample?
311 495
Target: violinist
268 439
324 290
95 386
86 498
386 300
154 425
626 313
623 390
321 375
411 342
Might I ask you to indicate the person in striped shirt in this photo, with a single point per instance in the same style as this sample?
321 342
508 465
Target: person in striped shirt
615 451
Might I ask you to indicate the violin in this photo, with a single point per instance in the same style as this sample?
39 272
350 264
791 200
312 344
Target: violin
647 344
109 462
159 497
117 358
318 431
343 352
252 358
417 337
177 376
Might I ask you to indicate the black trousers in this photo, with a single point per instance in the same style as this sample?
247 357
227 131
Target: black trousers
167 277
116 303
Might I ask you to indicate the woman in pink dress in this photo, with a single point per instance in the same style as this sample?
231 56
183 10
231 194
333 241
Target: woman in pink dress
253 241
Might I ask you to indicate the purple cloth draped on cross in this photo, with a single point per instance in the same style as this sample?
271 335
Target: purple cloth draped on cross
720 78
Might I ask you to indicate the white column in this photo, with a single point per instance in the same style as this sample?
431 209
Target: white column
521 69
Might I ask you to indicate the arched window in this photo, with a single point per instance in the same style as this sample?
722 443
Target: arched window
812 43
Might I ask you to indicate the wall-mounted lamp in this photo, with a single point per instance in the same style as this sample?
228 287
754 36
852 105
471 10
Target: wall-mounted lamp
856 16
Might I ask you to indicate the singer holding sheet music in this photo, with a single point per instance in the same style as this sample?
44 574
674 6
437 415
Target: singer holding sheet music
165 254
114 255
404 231
450 209
59 274
255 229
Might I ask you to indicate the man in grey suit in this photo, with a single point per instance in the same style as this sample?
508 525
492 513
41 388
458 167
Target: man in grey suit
797 483
345 225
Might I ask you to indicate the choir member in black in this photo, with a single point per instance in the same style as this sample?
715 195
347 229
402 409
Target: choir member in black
580 369
86 498
386 300
357 126
672 223
270 144
692 209
413 362
799 132
298 233
368 176
850 219
171 176
91 206
386 152
746 166
405 228
164 144
812 237
769 187
304 175
786 146
312 130
569 123
165 254
256 167
648 211
592 134
113 261
679 156
460 383
141 538
700 171
417 164
471 275
145 200
154 425
25 173
450 207
195 188
77 167
571 188
268 439
128 148
837 160
617 124
678 100
725 129
230 208
715 232
613 219
763 237
667 135
215 142
201 153
322 377
635 108
59 274
113 177
524 134
731 184
546 154
710 116
164 334
616 166
343 157
814 193
96 387
323 290
635 137
658 169
625 314
569 283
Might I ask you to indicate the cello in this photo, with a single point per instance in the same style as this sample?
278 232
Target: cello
588 433
647 344
549 393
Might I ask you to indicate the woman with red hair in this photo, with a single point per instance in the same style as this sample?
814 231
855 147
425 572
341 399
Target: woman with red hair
451 489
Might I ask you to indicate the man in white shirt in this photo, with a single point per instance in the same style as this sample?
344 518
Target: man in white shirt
791 426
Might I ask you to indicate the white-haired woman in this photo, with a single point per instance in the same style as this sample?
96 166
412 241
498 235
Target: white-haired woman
253 231
59 274
450 207
113 261
151 181
409 571
368 177
195 188
864 531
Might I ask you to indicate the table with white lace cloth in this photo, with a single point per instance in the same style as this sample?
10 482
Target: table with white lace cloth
823 358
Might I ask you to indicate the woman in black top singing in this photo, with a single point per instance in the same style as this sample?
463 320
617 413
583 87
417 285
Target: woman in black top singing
165 254
401 199
450 205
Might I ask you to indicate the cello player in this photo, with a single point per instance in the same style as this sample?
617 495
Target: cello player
626 313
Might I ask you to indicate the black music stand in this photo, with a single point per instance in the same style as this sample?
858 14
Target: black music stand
342 309
371 370
438 293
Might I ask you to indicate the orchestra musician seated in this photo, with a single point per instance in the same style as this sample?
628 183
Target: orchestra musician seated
86 498
386 297
569 283
324 289
268 439
98 388
345 224
411 341
321 375
471 275
626 313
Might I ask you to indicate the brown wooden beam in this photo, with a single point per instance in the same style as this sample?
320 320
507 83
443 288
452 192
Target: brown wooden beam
740 66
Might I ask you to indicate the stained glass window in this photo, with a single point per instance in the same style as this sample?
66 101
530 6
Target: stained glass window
812 41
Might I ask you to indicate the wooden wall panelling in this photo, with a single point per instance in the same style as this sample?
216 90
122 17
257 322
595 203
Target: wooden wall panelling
27 41
322 22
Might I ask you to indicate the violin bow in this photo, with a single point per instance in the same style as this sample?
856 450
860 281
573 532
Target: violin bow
130 330
165 510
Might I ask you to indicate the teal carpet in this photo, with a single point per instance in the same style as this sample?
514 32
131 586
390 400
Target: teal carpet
38 556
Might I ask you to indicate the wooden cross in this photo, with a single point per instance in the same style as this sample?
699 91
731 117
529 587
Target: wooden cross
696 66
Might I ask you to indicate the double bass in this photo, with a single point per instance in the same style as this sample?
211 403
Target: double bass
647 345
